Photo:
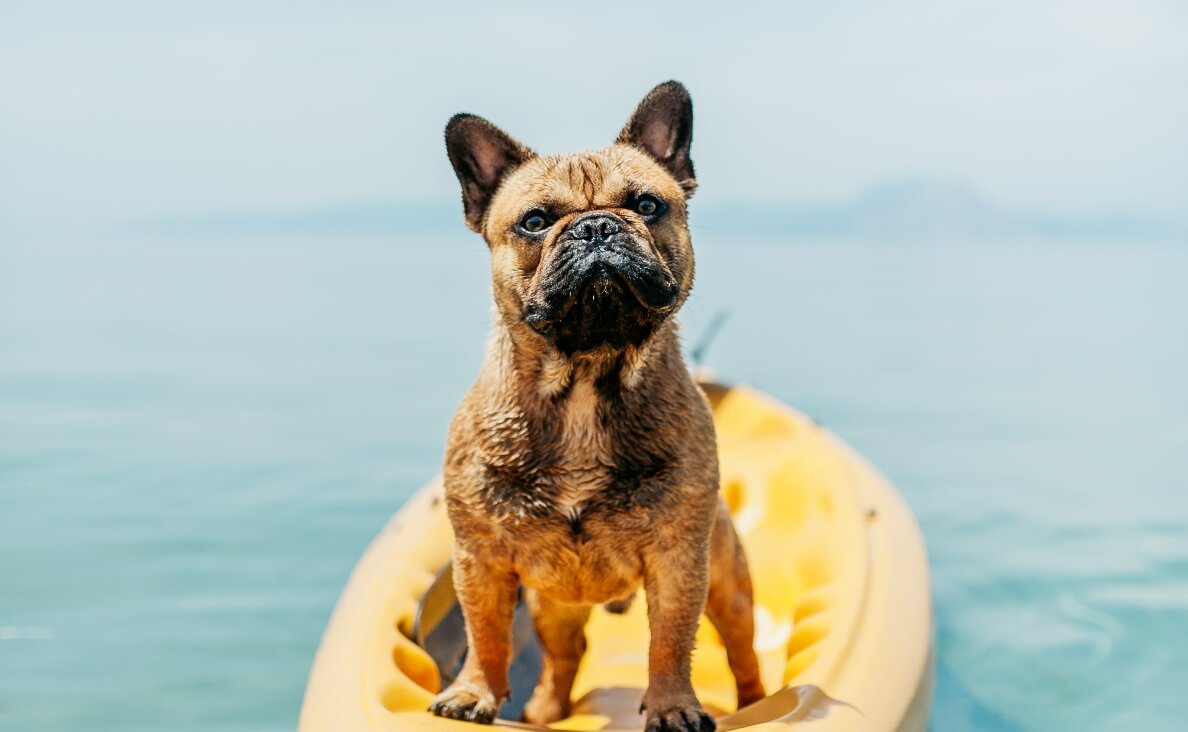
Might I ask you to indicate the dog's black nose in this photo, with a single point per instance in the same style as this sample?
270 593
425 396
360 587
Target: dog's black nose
595 228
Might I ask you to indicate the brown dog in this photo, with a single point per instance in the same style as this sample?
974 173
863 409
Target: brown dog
582 463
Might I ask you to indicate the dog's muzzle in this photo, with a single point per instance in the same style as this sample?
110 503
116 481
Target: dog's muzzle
600 286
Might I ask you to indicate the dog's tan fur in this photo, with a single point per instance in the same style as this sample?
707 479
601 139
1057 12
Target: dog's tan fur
586 474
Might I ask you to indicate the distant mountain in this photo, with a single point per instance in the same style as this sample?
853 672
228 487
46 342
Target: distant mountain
913 208
922 209
898 210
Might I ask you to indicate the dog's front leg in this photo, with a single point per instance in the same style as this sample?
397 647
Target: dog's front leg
487 592
676 579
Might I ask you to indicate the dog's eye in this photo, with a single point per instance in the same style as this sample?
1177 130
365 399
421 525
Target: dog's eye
648 205
534 221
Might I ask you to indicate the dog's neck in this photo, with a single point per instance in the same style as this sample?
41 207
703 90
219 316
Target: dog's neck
537 371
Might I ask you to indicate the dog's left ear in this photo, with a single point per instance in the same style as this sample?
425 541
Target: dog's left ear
662 126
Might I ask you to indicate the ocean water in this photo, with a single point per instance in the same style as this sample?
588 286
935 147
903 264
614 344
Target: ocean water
199 433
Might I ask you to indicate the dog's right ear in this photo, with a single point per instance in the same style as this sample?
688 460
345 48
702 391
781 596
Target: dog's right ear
482 155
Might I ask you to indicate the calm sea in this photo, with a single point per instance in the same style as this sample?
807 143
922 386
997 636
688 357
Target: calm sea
200 434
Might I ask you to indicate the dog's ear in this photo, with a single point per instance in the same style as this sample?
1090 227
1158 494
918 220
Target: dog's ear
482 155
662 126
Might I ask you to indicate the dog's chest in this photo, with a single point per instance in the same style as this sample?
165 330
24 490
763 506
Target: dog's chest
584 455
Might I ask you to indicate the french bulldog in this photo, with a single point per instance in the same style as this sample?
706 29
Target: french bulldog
582 464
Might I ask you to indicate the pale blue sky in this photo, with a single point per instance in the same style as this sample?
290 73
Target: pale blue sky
120 111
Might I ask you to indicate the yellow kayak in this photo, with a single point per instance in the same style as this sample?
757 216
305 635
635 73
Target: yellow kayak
844 626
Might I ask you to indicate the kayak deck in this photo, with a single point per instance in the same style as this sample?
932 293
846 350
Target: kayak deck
843 609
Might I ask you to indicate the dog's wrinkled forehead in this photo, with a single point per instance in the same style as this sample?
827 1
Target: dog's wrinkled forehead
566 184
651 154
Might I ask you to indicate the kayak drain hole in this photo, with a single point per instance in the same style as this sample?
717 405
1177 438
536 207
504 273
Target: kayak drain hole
417 666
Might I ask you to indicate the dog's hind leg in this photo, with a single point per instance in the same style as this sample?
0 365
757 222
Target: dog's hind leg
561 629
730 607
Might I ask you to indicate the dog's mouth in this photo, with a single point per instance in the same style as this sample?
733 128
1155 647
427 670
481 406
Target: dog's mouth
607 296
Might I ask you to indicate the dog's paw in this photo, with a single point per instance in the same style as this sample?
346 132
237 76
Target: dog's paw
544 708
685 717
465 703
